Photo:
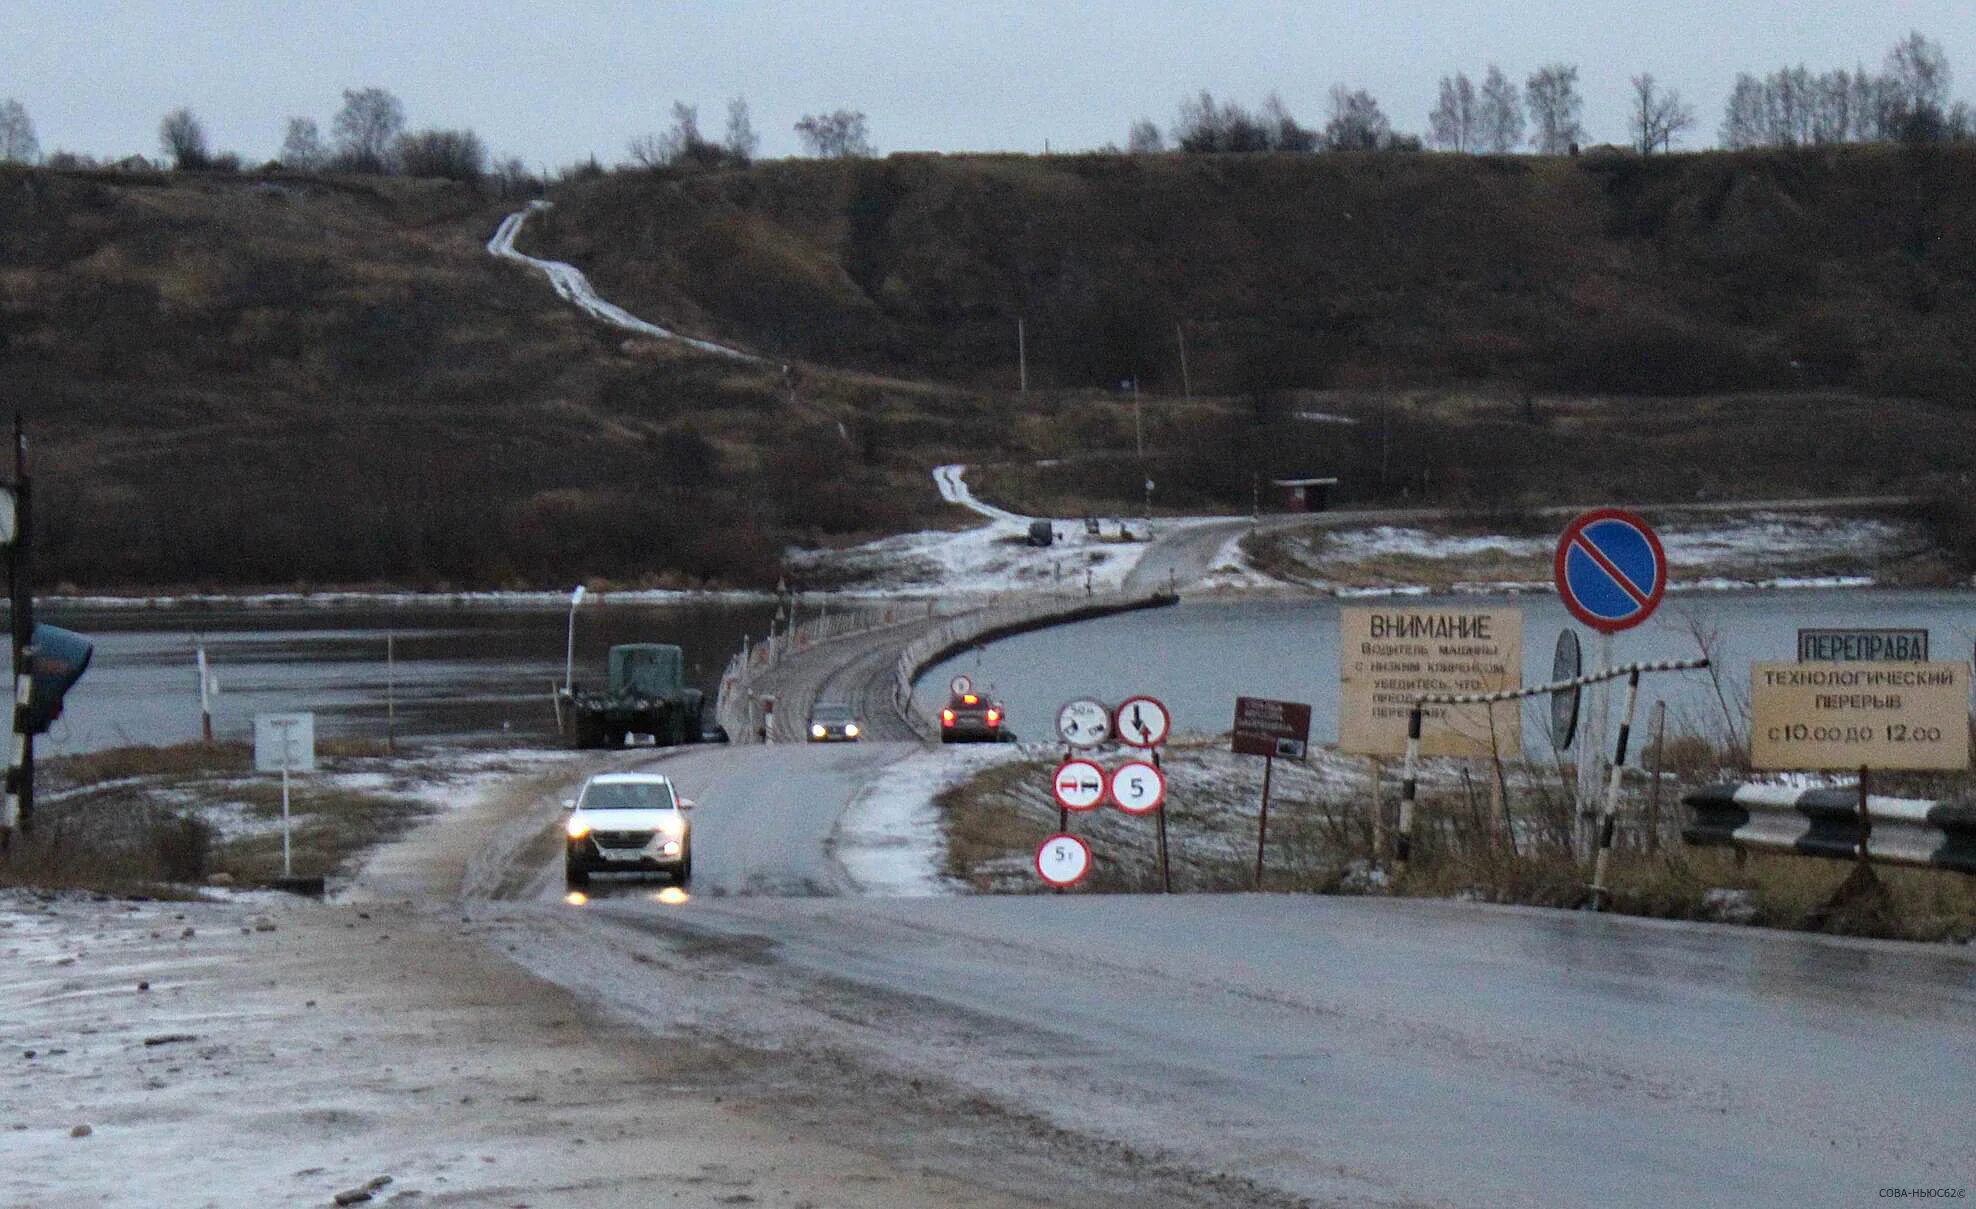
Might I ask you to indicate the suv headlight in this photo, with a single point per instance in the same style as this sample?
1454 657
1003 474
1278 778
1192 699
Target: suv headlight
850 730
577 828
816 730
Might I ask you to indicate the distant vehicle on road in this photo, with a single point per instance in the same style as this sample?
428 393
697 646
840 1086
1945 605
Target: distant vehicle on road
646 695
628 822
1042 533
972 718
832 722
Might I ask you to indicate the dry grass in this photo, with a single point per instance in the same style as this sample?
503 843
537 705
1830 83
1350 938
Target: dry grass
133 819
1321 840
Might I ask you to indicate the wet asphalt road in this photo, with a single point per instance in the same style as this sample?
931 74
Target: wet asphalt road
1352 1051
1401 1052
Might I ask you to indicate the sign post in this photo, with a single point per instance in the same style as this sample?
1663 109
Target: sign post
285 743
1611 573
1269 729
1144 722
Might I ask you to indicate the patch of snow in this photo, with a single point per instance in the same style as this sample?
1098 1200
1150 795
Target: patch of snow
1379 541
1230 571
573 287
890 841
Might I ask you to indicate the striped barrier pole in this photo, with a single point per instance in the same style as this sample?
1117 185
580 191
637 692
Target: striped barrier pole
1409 785
1609 813
17 760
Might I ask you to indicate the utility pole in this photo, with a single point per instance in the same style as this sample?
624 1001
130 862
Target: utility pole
1138 432
1186 382
1021 357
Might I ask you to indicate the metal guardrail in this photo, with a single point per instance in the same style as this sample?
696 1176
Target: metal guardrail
969 621
1830 823
957 634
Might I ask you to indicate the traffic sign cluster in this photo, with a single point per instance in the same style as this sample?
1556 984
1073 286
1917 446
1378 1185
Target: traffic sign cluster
1137 786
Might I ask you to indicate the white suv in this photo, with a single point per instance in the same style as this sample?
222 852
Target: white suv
628 822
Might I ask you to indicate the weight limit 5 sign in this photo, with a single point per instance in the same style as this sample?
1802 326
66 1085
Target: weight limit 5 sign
1610 569
1063 860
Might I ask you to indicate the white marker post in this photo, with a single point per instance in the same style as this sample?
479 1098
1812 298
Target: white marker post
205 697
285 743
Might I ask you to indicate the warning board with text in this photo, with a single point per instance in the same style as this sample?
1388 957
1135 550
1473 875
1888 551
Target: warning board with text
1815 716
1271 728
1389 657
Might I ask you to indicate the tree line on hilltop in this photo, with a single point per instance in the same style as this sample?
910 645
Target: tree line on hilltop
1906 101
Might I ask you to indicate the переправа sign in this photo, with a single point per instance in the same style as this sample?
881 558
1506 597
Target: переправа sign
1862 646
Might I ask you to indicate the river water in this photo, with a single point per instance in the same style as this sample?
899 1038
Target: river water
484 673
1198 657
468 672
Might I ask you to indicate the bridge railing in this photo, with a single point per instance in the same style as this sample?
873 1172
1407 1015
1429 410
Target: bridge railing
1829 822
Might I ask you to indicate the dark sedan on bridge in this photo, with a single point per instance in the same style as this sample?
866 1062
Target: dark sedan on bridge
834 723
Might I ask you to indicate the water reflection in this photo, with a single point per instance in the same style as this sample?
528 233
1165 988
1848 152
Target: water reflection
473 672
1197 658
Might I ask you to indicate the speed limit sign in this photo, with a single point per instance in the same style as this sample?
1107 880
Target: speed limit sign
1138 787
1063 860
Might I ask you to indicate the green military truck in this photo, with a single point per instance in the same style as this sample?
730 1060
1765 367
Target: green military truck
647 695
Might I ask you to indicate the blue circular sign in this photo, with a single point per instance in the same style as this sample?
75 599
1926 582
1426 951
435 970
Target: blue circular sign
1610 569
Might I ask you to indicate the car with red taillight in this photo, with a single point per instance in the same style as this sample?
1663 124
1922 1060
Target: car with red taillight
973 718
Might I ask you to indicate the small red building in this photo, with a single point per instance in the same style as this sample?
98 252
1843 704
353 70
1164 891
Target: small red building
1305 495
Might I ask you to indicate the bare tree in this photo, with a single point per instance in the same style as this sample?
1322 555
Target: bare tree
17 142
1144 138
183 140
1790 105
1551 94
1832 107
367 130
1915 89
1454 123
1206 126
1659 115
302 148
511 177
456 155
648 151
741 140
841 134
1357 123
1743 116
1284 132
684 136
1500 123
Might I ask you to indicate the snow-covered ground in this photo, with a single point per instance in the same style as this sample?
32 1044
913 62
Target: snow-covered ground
891 841
992 557
1756 550
570 284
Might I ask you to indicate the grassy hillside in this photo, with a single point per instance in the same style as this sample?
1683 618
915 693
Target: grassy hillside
231 381
235 381
1846 267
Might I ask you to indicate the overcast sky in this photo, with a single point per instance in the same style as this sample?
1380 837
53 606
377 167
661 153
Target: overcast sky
555 80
